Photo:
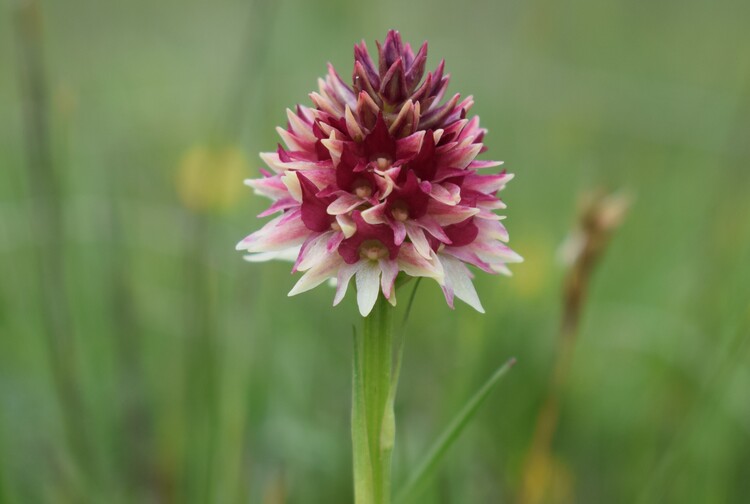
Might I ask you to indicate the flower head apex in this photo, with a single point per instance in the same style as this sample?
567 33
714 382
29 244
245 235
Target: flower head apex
380 179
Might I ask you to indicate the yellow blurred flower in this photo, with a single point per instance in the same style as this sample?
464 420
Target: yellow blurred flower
209 178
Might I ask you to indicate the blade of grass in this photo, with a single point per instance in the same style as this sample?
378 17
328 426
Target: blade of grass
428 464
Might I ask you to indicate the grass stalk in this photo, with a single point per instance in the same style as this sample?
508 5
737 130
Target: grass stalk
201 367
47 225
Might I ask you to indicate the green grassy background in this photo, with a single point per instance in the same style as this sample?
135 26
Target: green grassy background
200 381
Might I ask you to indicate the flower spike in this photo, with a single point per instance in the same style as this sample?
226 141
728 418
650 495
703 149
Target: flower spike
381 179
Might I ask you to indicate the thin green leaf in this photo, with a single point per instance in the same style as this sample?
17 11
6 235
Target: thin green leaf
410 303
400 345
388 429
427 466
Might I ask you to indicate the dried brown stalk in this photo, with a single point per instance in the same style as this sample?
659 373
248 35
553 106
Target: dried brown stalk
601 214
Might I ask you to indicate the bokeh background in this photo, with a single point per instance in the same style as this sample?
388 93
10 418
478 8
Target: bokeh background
141 360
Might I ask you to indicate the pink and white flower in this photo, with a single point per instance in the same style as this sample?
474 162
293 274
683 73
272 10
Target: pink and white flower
380 178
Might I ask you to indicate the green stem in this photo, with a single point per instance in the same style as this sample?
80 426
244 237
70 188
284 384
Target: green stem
373 426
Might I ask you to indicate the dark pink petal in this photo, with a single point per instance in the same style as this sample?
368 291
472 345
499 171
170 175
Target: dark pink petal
408 55
353 127
350 163
379 143
299 127
341 88
428 223
405 122
283 156
390 51
436 116
363 83
424 163
399 231
462 233
409 198
452 132
349 248
453 175
314 213
423 92
461 157
320 177
416 68
362 56
407 148
368 110
393 87
437 78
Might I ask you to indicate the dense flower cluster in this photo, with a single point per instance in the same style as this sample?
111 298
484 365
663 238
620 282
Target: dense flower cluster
381 177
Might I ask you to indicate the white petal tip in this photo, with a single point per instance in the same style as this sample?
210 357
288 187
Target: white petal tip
365 313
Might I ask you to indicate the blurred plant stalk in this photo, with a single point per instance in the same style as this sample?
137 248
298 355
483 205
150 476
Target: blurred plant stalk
601 213
47 226
136 422
207 186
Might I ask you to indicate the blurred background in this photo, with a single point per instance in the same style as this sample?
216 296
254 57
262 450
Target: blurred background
142 360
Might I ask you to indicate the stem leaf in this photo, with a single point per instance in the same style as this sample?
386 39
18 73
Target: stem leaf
429 463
